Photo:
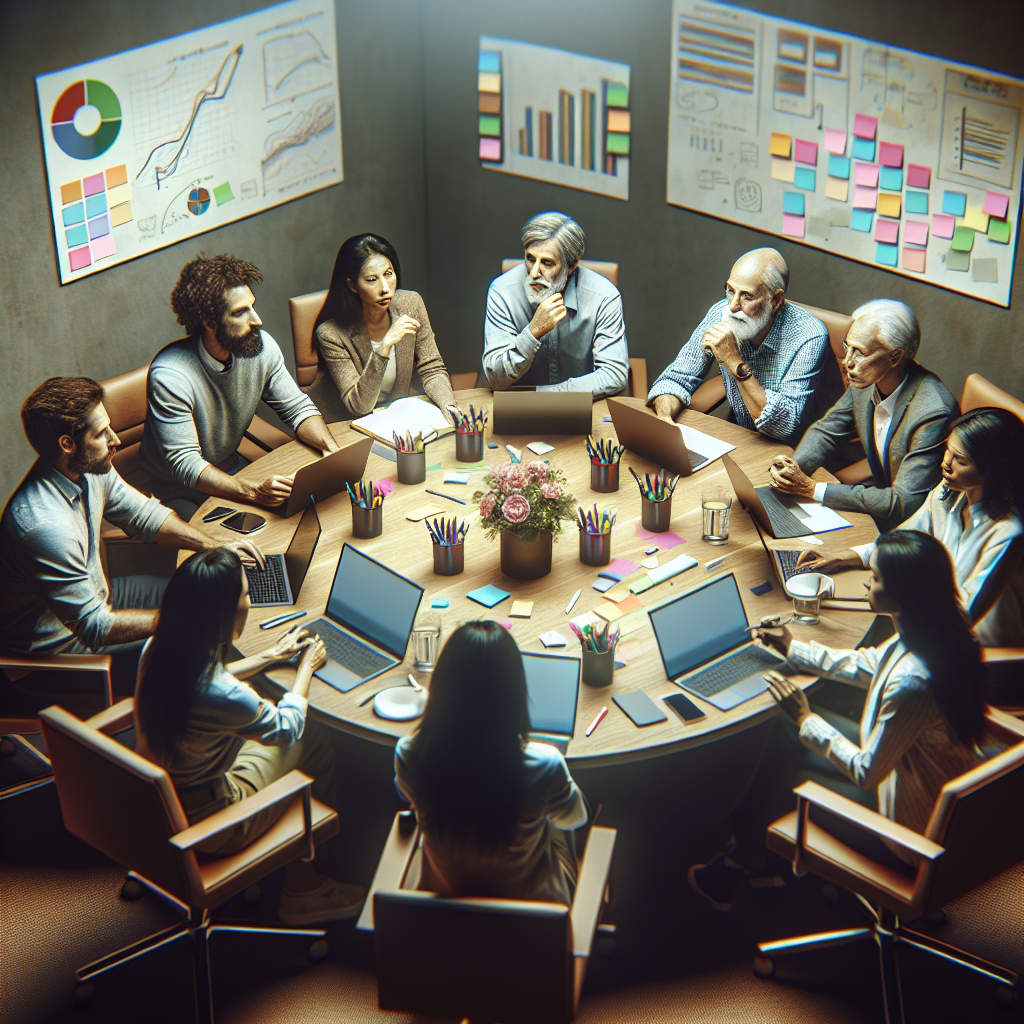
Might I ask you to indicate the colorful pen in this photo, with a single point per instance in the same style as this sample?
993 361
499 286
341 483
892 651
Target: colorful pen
450 497
597 721
280 620
575 597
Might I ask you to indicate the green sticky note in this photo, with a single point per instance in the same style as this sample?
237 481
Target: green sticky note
490 125
639 586
618 143
617 95
998 230
958 260
223 193
963 239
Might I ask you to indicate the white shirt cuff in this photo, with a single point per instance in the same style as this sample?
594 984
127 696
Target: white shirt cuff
865 551
819 492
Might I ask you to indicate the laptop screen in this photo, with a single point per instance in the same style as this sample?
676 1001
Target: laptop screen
552 684
372 600
700 625
300 551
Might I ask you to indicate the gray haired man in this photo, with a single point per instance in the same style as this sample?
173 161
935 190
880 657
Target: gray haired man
900 411
552 323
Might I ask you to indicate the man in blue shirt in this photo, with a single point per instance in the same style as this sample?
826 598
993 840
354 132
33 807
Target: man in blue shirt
776 360
552 323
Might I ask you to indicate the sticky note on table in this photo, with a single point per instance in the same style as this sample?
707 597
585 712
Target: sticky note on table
540 447
793 202
963 239
889 204
762 588
865 198
612 611
956 260
619 567
915 202
954 203
886 254
780 145
638 586
864 127
863 149
976 218
792 225
804 177
866 174
617 593
913 259
603 583
783 170
890 154
837 188
838 166
452 476
806 152
651 563
996 204
891 178
552 639
835 141
943 225
918 176
439 602
986 270
488 596
521 609
661 541
887 231
861 220
423 511
998 230
916 232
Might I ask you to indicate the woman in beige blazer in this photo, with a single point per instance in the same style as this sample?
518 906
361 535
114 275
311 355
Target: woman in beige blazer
371 334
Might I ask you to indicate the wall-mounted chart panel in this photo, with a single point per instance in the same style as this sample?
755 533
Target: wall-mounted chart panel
893 158
155 145
553 115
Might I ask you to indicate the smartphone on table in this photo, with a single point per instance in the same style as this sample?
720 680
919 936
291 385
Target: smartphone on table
218 513
244 522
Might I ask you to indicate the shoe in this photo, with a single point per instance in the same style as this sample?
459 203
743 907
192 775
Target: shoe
330 901
717 881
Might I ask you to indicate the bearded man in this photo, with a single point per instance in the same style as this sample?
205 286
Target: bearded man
552 323
779 369
202 393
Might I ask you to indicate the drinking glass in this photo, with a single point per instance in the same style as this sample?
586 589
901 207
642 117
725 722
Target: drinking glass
717 507
808 590
426 640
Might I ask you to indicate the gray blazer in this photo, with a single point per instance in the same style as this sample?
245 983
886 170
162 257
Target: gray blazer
920 425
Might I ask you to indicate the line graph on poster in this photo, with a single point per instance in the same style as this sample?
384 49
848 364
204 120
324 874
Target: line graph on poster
302 150
295 64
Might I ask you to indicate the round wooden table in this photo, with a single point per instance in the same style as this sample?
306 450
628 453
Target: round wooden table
405 546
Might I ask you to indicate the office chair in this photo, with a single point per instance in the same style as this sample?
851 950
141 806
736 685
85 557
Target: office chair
976 831
516 961
127 808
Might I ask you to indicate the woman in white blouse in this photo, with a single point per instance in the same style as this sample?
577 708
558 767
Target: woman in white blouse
923 715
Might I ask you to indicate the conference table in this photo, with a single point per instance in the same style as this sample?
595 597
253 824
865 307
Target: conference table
405 546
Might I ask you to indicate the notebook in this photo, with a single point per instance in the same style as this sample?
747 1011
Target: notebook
417 415
282 579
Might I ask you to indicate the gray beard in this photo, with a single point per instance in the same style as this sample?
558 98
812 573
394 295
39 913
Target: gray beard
744 329
557 287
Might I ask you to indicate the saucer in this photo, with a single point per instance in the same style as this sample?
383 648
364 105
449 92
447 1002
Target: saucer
399 703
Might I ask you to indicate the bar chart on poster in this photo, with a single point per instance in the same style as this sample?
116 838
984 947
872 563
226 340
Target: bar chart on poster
553 115
161 143
893 158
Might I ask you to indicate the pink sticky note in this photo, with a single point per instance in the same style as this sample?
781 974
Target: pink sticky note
887 231
916 232
792 225
103 247
620 567
93 184
995 204
913 259
866 175
490 149
864 127
806 152
384 487
661 541
943 225
835 141
918 176
507 623
890 155
865 198
79 258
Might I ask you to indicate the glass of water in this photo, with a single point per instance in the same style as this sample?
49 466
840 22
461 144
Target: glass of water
426 640
717 507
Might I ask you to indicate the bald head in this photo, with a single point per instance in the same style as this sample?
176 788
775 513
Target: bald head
767 266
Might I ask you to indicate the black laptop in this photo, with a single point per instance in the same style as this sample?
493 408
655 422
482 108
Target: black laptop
282 579
552 685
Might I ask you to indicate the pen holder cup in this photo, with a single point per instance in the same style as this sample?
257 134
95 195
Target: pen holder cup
595 548
656 516
597 669
412 467
469 447
449 559
604 479
367 522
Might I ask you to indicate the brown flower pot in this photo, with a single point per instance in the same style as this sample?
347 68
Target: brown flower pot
526 559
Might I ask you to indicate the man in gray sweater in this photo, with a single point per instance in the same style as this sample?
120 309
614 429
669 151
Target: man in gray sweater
202 393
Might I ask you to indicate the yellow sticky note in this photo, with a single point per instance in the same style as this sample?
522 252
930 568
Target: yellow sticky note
975 217
120 214
837 188
423 511
780 145
783 170
521 610
488 81
889 205
117 176
71 192
119 194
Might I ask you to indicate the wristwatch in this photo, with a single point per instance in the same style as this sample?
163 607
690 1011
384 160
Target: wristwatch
743 371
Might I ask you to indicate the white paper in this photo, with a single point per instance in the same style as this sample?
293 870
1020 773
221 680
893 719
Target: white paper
452 477
552 639
819 518
540 447
709 447
673 568
412 414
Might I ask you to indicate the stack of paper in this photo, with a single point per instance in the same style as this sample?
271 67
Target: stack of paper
417 415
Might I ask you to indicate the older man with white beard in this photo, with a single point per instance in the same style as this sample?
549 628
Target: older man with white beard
552 323
779 370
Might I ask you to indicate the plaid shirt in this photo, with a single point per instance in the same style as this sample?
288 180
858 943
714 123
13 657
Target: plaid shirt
794 364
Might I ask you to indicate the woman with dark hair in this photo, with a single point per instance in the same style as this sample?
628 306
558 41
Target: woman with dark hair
976 512
371 334
923 716
492 804
221 742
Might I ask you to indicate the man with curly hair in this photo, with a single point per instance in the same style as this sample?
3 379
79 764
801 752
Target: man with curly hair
202 393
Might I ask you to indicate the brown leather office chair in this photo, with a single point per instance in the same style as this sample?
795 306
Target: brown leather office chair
127 808
974 833
510 960
979 393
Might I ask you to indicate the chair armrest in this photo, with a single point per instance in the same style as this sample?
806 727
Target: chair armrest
1001 655
114 719
63 663
267 437
709 395
854 474
586 904
391 868
1002 726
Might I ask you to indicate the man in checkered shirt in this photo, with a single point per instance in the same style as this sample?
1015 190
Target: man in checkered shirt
779 370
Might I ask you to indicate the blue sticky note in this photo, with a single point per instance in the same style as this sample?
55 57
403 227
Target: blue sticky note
73 214
886 254
604 583
488 596
96 205
439 602
863 149
793 202
492 444
860 220
608 419
952 202
804 178
77 236
490 60
915 202
891 178
838 166
762 588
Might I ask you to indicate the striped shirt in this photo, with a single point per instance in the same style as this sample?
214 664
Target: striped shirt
794 364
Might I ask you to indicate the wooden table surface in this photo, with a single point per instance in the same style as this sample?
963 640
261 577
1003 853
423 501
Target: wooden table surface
405 546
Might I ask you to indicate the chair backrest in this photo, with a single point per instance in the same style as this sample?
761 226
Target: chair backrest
608 270
119 803
483 959
303 310
838 325
979 393
124 398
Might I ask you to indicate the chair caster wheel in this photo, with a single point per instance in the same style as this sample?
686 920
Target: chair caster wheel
131 890
831 895
84 993
252 894
318 951
1009 996
764 967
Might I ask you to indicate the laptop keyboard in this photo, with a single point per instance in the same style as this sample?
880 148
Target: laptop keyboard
787 561
784 523
347 651
723 674
266 586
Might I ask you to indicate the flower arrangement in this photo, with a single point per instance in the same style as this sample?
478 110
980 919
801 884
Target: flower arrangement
524 499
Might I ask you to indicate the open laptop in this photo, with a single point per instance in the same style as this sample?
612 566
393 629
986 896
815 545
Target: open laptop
327 476
368 619
543 412
281 581
706 648
552 684
654 439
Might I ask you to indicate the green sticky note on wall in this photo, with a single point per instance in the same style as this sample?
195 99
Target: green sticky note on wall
617 95
490 125
618 143
958 260
999 230
223 193
963 239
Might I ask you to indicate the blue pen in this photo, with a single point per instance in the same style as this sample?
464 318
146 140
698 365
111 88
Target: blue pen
280 620
450 497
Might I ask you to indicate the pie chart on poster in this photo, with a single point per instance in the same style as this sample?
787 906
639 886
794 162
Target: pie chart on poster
198 201
86 119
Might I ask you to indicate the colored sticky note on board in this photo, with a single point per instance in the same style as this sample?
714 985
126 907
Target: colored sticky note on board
835 141
954 203
77 235
865 198
866 175
838 166
891 178
957 260
223 194
986 270
890 154
117 176
489 60
71 192
943 225
118 194
913 259
488 596
918 176
806 152
916 232
120 214
99 226
915 202
490 149
863 149
963 239
886 254
793 202
73 214
837 188
490 125
887 231
861 220
79 258
780 145
889 204
999 231
996 204
804 178
792 225
976 218
103 247
93 184
864 127
783 170
95 206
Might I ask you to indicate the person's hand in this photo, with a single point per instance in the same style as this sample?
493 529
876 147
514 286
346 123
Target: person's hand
274 490
721 343
314 655
549 313
401 328
789 696
823 561
667 407
777 639
788 477
248 553
289 645
331 446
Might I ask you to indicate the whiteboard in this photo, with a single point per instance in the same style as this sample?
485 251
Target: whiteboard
161 143
907 162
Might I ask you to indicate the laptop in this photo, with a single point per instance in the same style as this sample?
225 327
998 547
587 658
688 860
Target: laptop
281 581
654 439
368 619
543 412
552 684
327 476
706 647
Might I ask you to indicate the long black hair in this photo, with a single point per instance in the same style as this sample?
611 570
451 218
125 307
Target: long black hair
342 304
994 439
916 571
467 754
196 625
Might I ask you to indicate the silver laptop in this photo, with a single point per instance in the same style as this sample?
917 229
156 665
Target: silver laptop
543 412
552 686
327 476
368 620
781 517
706 648
282 579
654 439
